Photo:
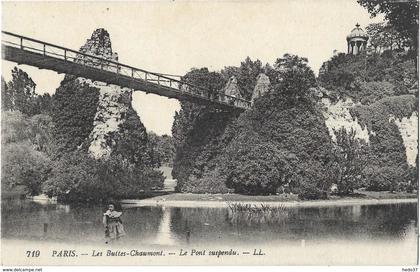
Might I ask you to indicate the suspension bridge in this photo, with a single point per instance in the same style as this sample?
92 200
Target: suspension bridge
44 55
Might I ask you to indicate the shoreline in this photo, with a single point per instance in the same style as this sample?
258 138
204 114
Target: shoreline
220 203
192 200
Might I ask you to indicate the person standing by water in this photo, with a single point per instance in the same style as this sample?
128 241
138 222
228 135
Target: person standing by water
114 228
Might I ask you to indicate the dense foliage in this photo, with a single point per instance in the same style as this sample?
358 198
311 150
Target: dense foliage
74 107
293 77
19 95
384 85
282 144
282 141
403 15
384 36
162 148
279 144
387 162
368 78
197 148
351 159
131 142
24 151
47 153
78 177
246 74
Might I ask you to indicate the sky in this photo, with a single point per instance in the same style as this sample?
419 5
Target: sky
174 36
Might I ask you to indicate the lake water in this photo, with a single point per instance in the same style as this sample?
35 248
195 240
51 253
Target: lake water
353 229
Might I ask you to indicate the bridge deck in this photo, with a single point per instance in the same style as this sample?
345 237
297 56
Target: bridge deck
24 50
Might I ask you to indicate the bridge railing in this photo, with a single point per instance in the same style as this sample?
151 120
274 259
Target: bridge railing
165 81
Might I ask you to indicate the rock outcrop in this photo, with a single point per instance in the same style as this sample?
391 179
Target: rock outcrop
408 128
98 45
114 101
261 87
337 115
232 87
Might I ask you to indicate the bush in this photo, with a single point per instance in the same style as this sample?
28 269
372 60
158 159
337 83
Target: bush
211 182
350 155
127 180
77 177
387 155
198 144
22 165
386 178
14 127
268 145
368 78
259 150
24 142
256 168
312 180
69 175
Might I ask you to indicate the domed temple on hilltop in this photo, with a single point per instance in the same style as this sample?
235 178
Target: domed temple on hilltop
357 40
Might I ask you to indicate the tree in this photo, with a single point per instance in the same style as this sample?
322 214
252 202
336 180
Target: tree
203 78
14 127
153 142
167 149
77 177
273 144
403 15
74 108
44 103
70 175
199 148
22 165
387 154
246 74
294 76
6 101
163 149
368 78
384 36
257 168
195 126
19 93
25 142
351 157
131 142
41 128
278 143
312 179
385 177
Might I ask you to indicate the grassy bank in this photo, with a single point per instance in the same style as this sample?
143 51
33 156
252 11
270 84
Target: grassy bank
222 200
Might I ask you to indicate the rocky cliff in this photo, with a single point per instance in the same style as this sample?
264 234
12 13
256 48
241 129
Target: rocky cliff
408 128
373 95
112 105
337 115
346 113
261 87
232 87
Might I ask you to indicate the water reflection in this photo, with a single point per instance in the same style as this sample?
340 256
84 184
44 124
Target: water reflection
164 234
212 226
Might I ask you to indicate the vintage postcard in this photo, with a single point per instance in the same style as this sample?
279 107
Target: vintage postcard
209 133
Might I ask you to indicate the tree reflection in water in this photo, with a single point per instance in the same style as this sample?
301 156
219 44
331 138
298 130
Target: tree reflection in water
178 226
